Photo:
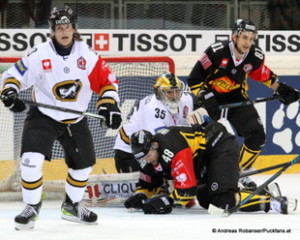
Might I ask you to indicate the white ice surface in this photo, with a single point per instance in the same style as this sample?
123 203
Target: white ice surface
184 224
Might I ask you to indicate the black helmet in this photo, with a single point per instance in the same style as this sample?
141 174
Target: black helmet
61 15
243 25
141 143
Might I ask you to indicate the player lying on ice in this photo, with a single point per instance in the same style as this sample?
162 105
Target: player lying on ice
191 156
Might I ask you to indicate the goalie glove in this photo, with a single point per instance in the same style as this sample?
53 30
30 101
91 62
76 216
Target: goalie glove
289 94
108 108
158 205
9 97
199 116
209 102
135 201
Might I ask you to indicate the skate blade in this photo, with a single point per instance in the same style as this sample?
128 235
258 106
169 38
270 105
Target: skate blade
27 226
77 220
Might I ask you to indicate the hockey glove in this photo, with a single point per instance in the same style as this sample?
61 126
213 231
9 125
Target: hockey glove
108 108
9 97
158 205
289 94
198 116
135 201
209 102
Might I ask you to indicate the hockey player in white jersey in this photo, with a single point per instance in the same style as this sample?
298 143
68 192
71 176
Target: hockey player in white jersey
64 72
168 106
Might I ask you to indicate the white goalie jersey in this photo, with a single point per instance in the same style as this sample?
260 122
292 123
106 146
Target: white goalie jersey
62 81
152 115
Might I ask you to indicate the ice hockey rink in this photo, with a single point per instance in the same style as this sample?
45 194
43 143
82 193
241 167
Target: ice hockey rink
184 224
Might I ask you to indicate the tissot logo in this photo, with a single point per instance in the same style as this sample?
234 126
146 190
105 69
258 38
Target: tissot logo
101 42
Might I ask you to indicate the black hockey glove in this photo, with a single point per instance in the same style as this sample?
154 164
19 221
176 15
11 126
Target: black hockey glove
289 94
9 97
209 102
158 205
135 201
108 108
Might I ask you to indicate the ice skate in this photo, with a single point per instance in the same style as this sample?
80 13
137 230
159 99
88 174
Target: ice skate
77 212
247 183
279 203
283 205
27 218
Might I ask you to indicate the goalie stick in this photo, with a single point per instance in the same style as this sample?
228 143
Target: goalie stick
221 212
249 102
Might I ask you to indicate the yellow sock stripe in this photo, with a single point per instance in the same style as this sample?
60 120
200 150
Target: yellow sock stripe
105 100
256 200
182 200
147 192
32 185
76 183
13 81
247 157
107 88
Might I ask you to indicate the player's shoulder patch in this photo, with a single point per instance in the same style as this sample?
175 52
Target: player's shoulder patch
21 67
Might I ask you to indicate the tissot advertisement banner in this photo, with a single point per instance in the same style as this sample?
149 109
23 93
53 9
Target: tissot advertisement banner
16 42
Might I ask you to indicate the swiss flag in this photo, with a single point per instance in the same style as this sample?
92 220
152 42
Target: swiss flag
46 63
101 42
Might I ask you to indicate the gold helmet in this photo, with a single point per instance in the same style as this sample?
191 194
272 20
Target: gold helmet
168 89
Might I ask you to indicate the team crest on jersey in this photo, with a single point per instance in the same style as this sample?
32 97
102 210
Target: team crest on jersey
247 67
224 63
81 63
223 85
67 90
46 65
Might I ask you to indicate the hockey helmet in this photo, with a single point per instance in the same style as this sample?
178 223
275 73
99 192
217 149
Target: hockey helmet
168 88
243 25
141 143
61 15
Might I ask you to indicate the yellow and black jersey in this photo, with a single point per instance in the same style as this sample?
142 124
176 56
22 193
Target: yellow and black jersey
219 71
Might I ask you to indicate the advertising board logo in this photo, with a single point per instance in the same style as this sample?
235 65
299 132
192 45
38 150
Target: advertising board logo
285 137
101 42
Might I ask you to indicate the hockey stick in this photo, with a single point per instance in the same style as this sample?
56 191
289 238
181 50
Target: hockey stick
246 174
250 173
62 109
249 102
218 211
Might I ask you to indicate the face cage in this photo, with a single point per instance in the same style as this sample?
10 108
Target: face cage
171 104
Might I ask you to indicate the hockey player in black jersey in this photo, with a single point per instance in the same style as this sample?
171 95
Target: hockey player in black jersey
220 77
190 156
